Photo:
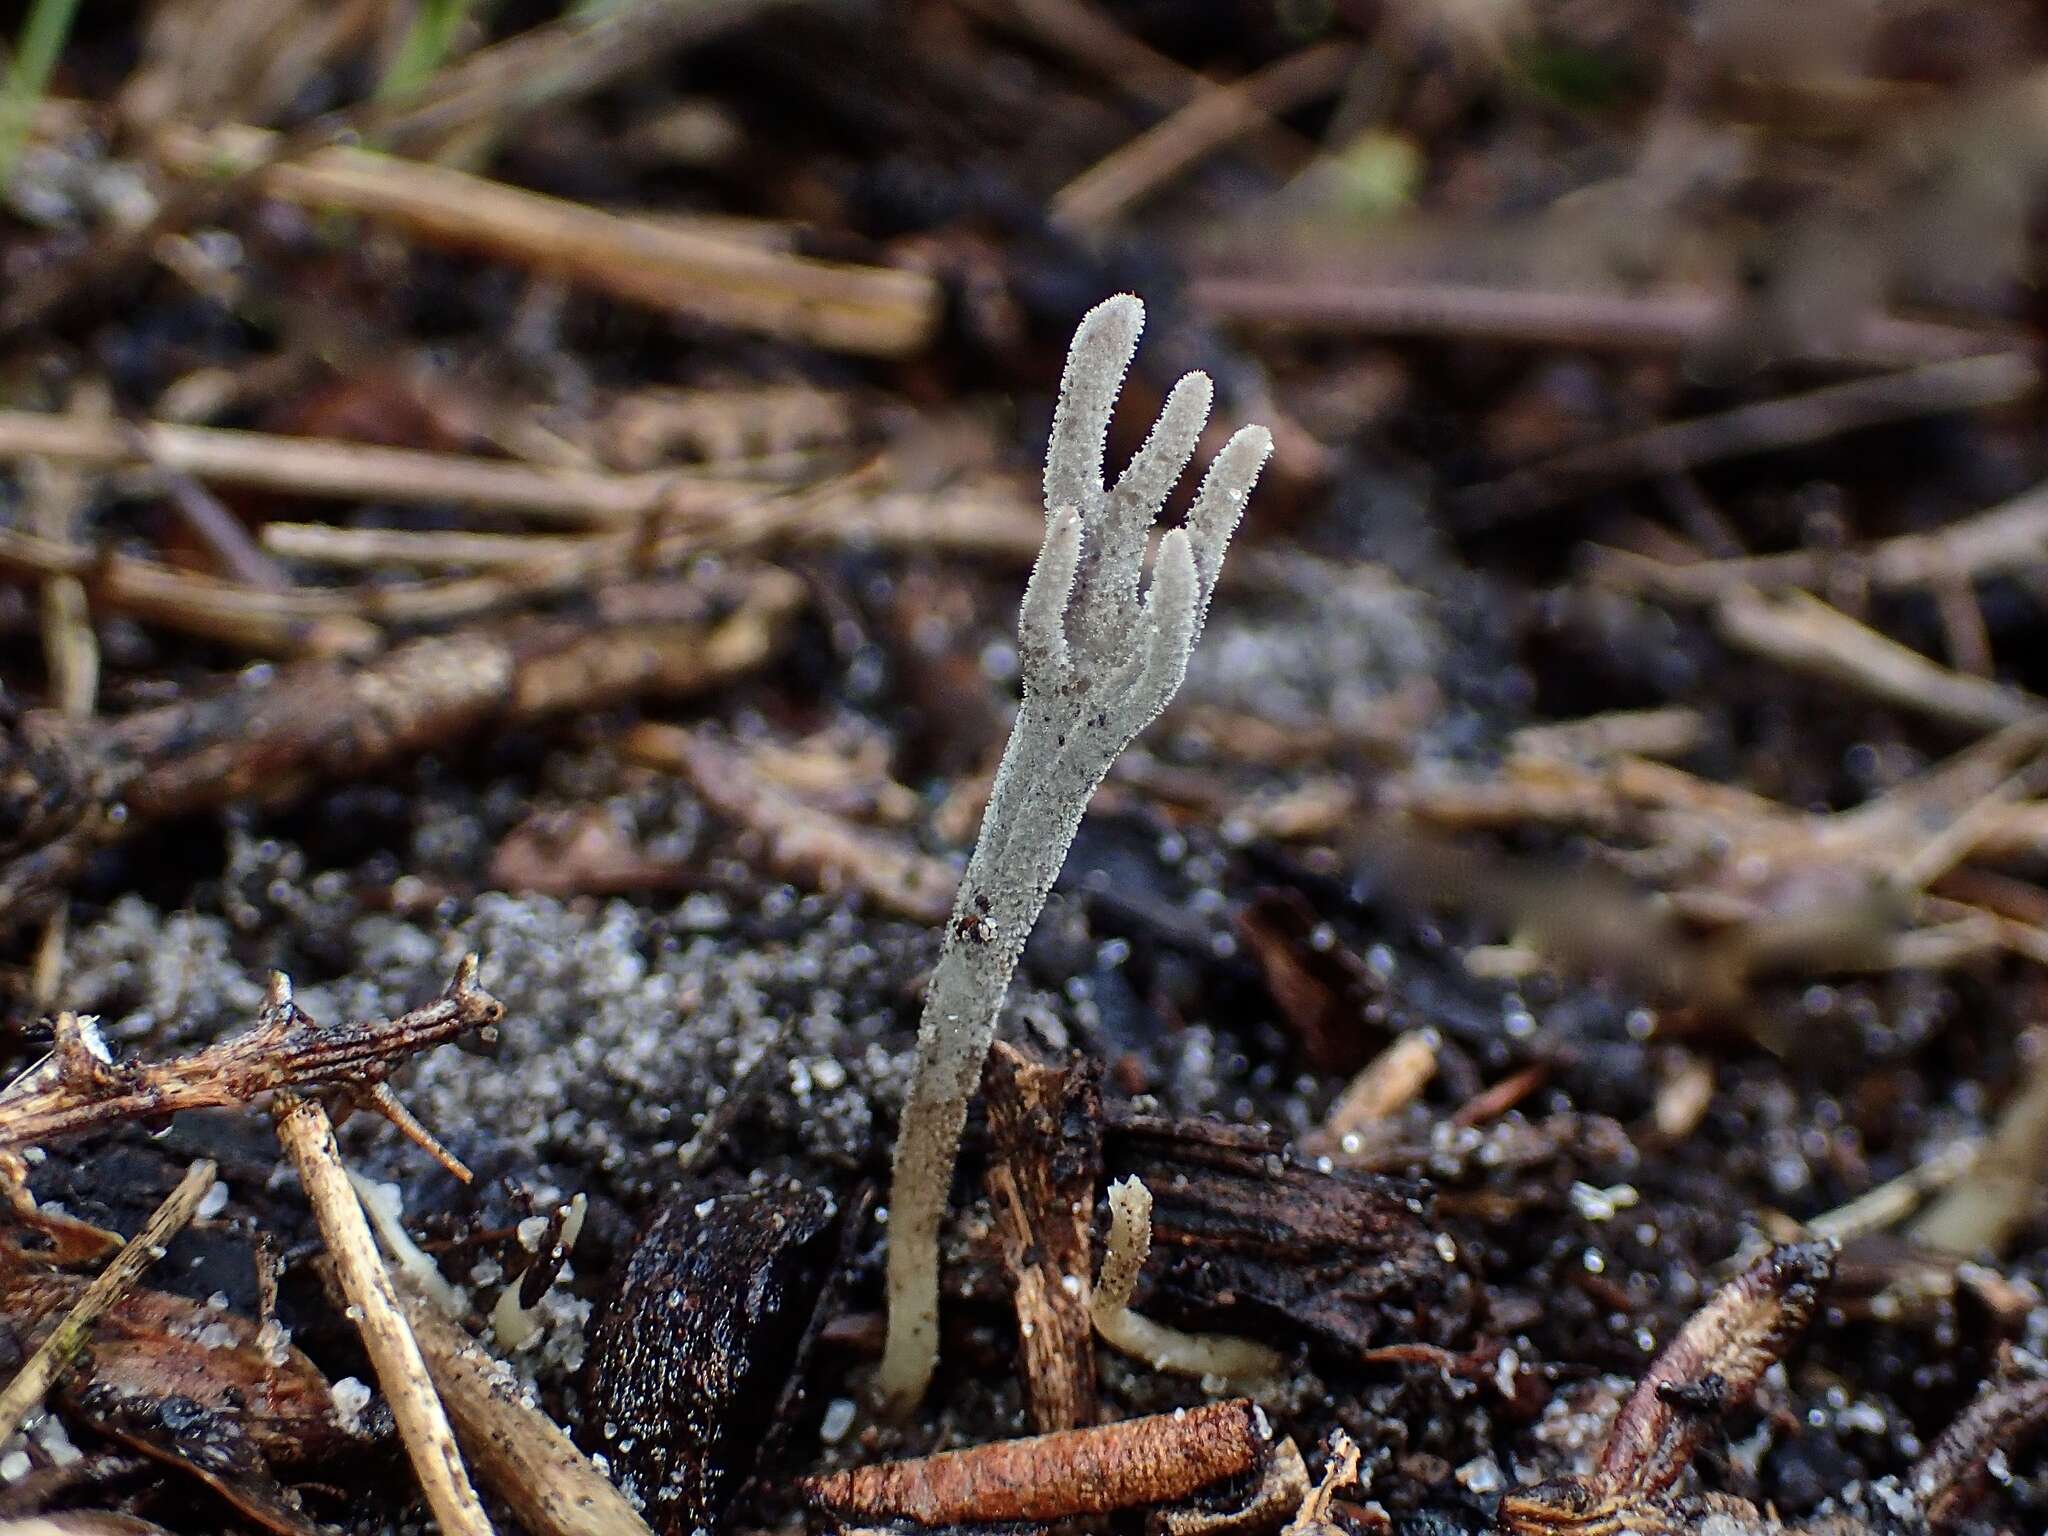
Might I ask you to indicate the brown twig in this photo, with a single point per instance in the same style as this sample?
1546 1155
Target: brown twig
1763 427
804 842
1211 119
2012 536
1802 632
1618 322
519 1453
303 466
1385 1086
1081 32
1984 1209
83 787
1138 1462
41 1370
307 1136
382 548
76 1089
291 623
697 272
576 53
1947 1481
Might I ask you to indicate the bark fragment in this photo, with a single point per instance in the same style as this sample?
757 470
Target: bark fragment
1129 1465
1047 1124
694 1355
1247 1239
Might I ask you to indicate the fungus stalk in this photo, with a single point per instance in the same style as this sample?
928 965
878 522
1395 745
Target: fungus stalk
1224 1363
1099 663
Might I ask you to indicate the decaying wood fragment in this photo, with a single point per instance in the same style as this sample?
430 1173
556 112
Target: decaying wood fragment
1131 1465
1047 1125
1949 1479
1714 1364
307 1136
70 788
1251 1241
203 1444
76 1089
55 1354
804 842
518 1452
1282 1488
1222 1361
1340 1471
694 1356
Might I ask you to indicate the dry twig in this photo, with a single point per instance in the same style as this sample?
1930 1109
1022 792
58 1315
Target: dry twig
1807 635
2009 537
1212 118
76 788
1620 322
1983 1210
692 271
305 466
1765 426
1713 1365
54 1356
578 52
76 1088
804 842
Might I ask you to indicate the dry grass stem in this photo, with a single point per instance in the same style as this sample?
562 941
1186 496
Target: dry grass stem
1081 32
1213 118
1793 421
576 53
362 472
1887 1204
307 1136
1982 1211
519 1453
1614 322
697 272
54 1356
379 549
1806 635
1384 1086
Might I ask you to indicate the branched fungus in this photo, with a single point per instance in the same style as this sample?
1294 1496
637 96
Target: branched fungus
1224 1363
1099 663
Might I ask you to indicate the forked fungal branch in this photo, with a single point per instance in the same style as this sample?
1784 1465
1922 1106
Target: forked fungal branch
1224 1363
1099 663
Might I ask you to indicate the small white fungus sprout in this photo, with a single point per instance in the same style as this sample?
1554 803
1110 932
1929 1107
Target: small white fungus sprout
1099 663
1232 1364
